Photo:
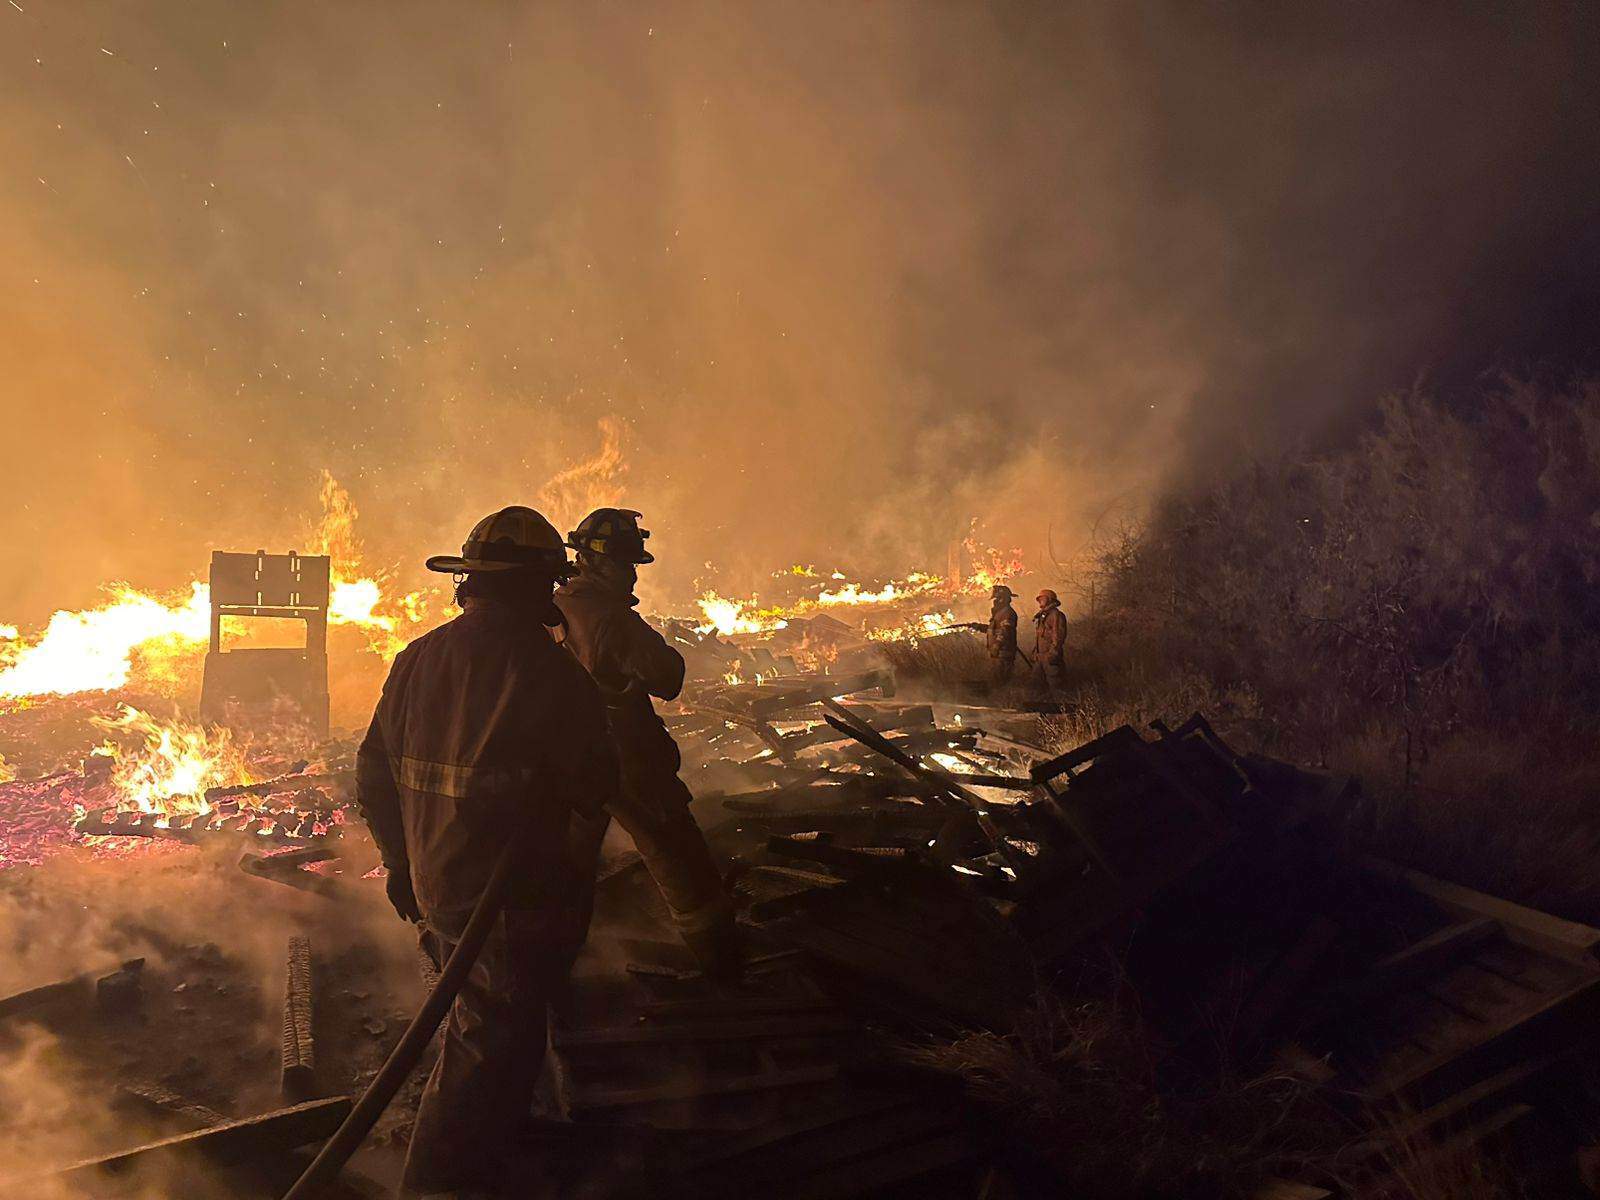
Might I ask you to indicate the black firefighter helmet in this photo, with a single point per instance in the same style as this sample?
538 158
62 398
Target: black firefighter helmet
612 531
513 537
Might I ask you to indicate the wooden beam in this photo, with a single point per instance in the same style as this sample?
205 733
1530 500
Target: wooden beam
1422 959
40 997
850 858
267 1133
1524 926
780 1025
608 1099
154 1098
299 1049
825 689
846 721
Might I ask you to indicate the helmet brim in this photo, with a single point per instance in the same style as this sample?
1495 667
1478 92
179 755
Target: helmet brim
638 560
455 564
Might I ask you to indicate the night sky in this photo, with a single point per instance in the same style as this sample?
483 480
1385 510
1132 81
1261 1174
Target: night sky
848 274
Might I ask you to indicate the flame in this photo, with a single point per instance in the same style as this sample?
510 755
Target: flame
172 764
991 565
355 601
737 616
914 630
355 598
94 650
896 589
596 482
135 632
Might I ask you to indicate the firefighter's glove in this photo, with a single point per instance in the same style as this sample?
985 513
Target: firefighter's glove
398 885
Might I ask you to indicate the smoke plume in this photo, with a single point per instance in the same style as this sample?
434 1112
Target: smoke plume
839 277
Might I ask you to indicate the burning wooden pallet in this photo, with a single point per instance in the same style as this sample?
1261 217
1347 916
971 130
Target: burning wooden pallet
252 826
292 809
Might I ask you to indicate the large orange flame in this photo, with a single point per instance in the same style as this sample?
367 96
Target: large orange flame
95 650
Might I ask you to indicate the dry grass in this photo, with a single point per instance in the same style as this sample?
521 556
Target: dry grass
1502 812
1079 1088
1084 1093
949 664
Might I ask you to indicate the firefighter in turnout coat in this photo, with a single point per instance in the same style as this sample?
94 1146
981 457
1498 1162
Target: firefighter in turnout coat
484 724
1001 640
1049 648
631 662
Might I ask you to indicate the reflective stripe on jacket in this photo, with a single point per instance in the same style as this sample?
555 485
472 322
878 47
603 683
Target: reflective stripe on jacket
484 722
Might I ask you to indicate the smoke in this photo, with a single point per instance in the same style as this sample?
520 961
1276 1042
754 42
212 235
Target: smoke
208 1024
838 278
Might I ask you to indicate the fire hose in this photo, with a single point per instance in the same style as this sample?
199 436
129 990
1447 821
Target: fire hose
347 1139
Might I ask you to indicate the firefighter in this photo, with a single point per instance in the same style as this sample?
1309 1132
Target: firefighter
1049 648
1001 639
485 724
632 662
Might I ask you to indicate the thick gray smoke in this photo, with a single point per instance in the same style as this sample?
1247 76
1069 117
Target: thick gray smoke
849 274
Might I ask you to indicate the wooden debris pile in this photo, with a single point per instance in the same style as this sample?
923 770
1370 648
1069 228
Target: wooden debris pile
930 885
905 872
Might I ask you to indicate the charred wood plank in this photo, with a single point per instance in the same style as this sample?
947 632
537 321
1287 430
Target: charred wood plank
1516 1082
899 981
154 1098
765 964
765 708
1525 926
848 858
1421 960
252 828
81 986
733 1006
779 1025
285 869
842 719
912 820
299 1048
915 717
833 1154
592 1100
250 1137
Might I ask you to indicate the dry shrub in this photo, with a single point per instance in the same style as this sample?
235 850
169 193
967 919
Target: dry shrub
1507 813
1076 1086
1438 574
946 664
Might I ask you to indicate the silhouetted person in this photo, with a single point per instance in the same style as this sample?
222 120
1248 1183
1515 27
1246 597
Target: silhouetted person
485 724
632 662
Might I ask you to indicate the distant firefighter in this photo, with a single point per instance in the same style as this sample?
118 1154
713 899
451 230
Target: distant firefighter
632 662
486 724
1001 639
1049 648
